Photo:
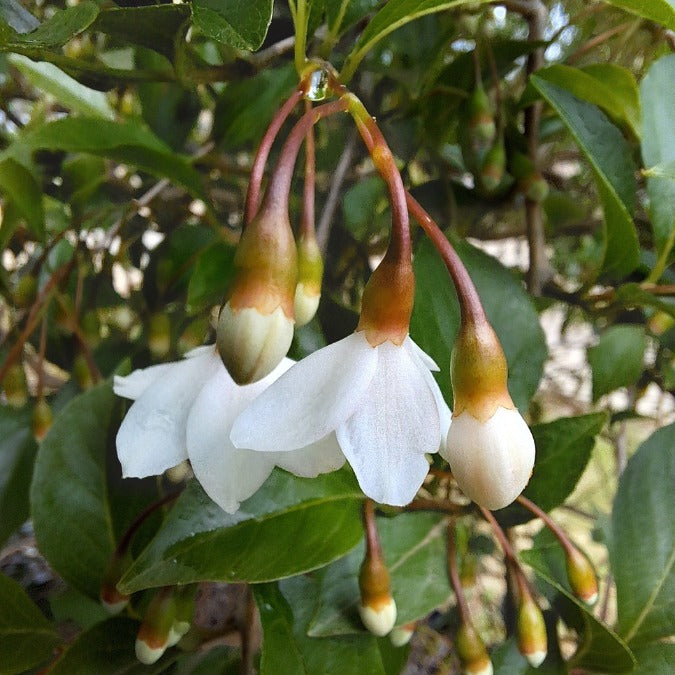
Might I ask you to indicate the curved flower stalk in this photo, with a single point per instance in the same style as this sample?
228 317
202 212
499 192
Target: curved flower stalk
185 410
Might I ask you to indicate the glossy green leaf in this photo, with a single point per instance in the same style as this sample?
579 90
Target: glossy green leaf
242 24
618 358
642 545
67 91
563 449
21 188
70 509
657 97
393 15
415 550
435 318
291 525
56 31
107 649
155 27
354 11
211 277
17 16
285 610
661 11
609 155
607 85
658 657
17 455
365 208
507 660
599 649
122 141
26 637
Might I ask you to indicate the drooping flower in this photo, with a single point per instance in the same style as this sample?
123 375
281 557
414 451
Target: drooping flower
185 409
381 402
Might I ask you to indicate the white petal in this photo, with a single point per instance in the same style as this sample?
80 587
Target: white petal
133 385
312 399
227 474
491 461
323 456
444 412
410 344
396 423
151 438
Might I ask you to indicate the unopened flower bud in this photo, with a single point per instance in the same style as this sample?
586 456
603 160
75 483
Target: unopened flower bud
490 448
159 335
185 604
494 164
480 118
530 181
377 607
310 272
401 635
42 419
113 600
180 472
25 292
82 372
255 327
581 576
471 651
15 386
154 634
532 640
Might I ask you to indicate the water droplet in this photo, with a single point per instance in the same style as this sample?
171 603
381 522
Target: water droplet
318 85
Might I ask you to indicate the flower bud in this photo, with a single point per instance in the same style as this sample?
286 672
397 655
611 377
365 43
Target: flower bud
159 335
155 631
255 327
581 576
15 386
82 373
25 292
42 419
471 651
530 181
377 607
114 601
401 635
532 641
184 598
480 118
310 272
494 164
489 447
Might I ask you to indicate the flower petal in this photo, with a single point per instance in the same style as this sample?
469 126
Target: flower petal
151 438
312 399
323 456
411 345
227 474
396 423
133 385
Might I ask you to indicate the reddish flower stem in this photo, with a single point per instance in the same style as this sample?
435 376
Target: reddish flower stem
258 169
454 576
549 522
373 545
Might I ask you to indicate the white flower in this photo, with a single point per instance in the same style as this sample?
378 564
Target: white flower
382 403
184 410
492 460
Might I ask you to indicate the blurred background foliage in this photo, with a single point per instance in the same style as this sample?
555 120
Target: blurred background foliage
127 132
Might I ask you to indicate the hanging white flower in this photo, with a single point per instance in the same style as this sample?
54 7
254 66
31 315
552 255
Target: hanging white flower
381 402
185 410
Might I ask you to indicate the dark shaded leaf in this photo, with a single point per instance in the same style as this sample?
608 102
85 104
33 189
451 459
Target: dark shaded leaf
242 24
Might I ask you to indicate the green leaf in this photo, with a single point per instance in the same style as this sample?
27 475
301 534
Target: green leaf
658 146
354 12
211 277
661 11
393 15
21 188
155 27
365 207
107 649
415 551
17 16
67 91
658 657
17 455
71 516
563 449
600 649
618 358
128 142
285 610
435 318
507 660
607 85
642 545
609 155
55 32
291 525
242 24
26 637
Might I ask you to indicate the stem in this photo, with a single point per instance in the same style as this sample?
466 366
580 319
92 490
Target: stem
258 168
662 261
436 505
307 220
331 36
454 576
549 522
373 545
300 21
276 196
41 359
